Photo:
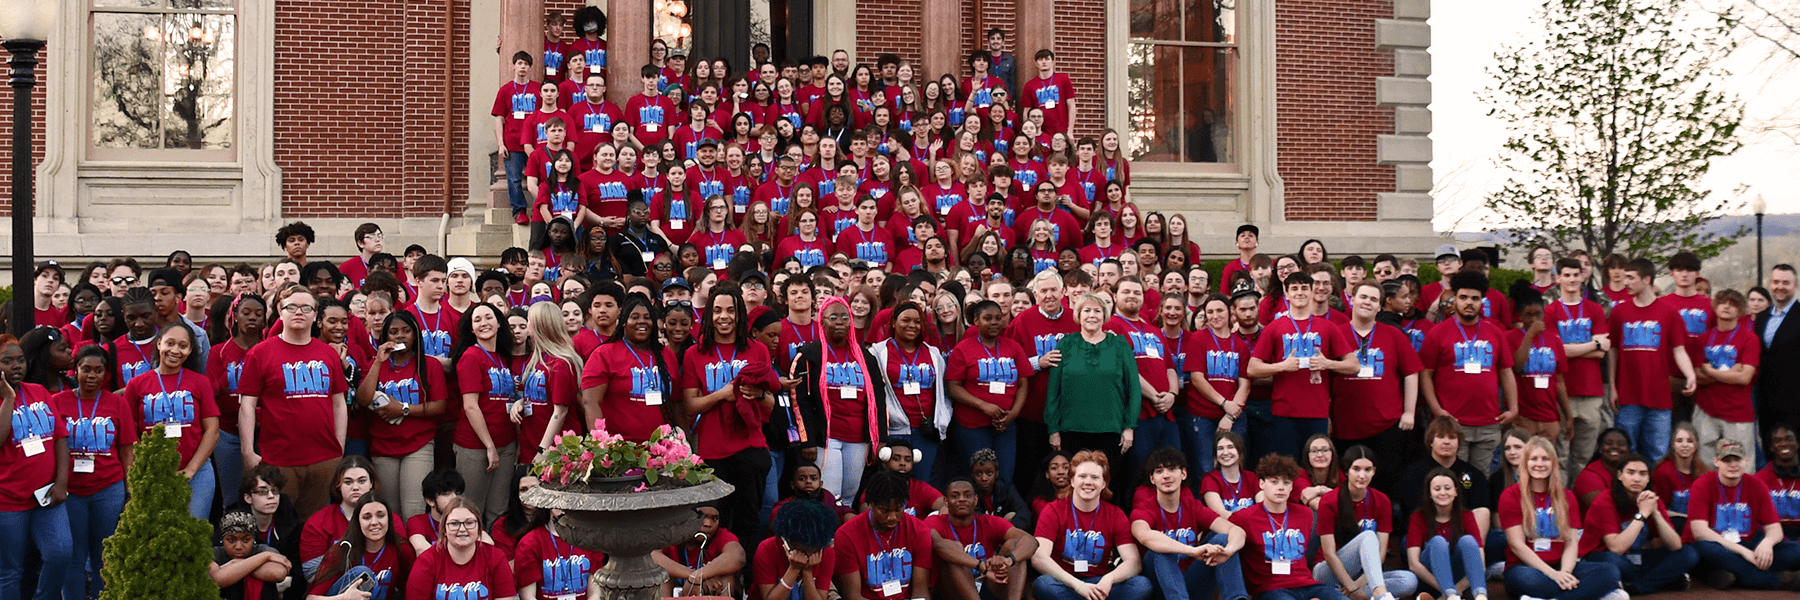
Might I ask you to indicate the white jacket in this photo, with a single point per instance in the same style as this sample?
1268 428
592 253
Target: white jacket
940 414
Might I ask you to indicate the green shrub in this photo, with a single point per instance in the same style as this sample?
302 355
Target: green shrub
159 550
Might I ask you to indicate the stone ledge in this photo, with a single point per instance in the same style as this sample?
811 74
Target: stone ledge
1412 178
1390 91
1412 119
1412 61
1412 9
1396 33
1392 149
1404 206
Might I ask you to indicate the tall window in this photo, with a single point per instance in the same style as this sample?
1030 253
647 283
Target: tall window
1183 68
164 79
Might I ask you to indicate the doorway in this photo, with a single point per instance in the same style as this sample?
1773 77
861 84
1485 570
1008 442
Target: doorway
729 28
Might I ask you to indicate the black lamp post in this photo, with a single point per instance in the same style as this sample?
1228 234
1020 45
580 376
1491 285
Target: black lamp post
1758 206
25 25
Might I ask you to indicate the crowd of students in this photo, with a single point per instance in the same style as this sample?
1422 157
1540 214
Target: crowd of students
888 326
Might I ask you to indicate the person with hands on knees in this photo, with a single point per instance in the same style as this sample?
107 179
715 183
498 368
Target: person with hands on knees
1440 527
34 469
797 562
1078 536
1733 525
705 564
1541 552
1276 537
884 554
243 568
1354 524
993 552
1188 547
461 566
1645 547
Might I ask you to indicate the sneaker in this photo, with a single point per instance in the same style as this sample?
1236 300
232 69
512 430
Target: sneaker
1496 571
1721 579
518 217
1525 597
1617 594
1686 583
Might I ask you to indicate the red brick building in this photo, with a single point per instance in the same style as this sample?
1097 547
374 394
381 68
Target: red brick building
204 124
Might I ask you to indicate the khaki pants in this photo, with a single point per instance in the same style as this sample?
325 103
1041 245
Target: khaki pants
1478 446
309 486
401 478
489 490
1711 429
1590 417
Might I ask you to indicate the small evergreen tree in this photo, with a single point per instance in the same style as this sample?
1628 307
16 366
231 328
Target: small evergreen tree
159 550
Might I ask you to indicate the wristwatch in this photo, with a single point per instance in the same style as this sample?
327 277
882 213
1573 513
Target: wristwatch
1638 517
405 410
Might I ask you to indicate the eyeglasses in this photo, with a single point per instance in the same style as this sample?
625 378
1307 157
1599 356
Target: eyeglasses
457 525
1319 451
125 280
679 304
266 492
298 309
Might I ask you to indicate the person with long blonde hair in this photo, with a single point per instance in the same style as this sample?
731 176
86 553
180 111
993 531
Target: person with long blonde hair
1542 559
547 385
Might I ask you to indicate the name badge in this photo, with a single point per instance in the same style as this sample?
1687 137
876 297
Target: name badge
1366 372
84 465
739 208
1472 368
1305 363
1733 536
996 387
594 128
1081 566
1050 105
646 257
1541 382
891 588
172 430
650 127
653 397
910 388
1281 567
847 393
1540 545
1152 352
33 445
675 223
550 71
593 68
944 210
719 264
519 114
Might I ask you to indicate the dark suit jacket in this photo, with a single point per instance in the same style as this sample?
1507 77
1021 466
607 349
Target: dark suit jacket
1778 377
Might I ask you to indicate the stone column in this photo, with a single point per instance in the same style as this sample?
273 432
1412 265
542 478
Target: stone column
627 47
941 43
1035 29
521 28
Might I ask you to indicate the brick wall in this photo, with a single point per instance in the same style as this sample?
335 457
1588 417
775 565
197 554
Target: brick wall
1326 64
37 134
893 27
346 145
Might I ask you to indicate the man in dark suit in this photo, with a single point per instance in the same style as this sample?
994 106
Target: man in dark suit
1779 377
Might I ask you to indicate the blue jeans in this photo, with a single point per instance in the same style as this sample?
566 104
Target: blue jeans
1195 583
356 447
343 583
1198 436
1150 434
1318 591
49 530
1435 555
927 445
1787 558
203 486
1654 570
777 462
1046 587
1360 555
91 519
1287 435
1004 443
1648 429
515 179
1597 580
228 465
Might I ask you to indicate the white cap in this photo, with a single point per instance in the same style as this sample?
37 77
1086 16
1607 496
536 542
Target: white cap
462 264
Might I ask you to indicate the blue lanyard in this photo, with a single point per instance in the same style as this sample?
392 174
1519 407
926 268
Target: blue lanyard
1712 338
877 533
974 529
378 555
1363 343
1075 515
83 415
1296 323
1466 338
1279 549
1580 311
722 360
1227 344
912 361
1179 341
159 385
1133 324
1164 516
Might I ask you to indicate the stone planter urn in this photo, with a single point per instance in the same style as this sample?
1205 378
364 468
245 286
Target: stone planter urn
627 526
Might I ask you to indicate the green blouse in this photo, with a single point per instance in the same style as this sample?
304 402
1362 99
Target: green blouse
1095 388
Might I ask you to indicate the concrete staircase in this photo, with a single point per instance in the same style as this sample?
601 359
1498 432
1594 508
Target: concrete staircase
487 229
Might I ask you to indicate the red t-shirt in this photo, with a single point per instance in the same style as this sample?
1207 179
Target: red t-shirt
391 565
723 431
1724 350
981 539
553 564
1512 515
914 368
1577 324
1221 362
593 125
400 383
1785 493
1594 478
882 557
717 247
294 386
1082 542
97 429
1151 356
693 559
1416 531
687 141
536 134
322 529
849 420
1190 523
1545 364
1644 336
1038 335
28 460
1235 496
1295 394
770 563
629 376
436 575
1695 312
1365 406
1065 231
546 387
514 102
651 117
492 381
605 193
874 245
1745 508
1450 349
1052 95
1375 513
438 329
1603 519
1269 538
133 359
184 398
423 525
1672 486
978 366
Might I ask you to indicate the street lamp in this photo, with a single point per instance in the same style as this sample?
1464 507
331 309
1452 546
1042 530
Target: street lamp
1759 206
24 25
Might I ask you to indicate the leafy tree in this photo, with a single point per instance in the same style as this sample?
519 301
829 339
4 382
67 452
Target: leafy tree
159 550
1615 113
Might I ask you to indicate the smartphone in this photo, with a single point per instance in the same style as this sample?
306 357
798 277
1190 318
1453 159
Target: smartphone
363 582
43 495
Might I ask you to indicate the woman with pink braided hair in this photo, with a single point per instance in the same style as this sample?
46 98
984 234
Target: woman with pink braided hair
835 376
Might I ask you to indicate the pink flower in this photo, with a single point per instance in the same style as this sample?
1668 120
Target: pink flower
587 456
640 488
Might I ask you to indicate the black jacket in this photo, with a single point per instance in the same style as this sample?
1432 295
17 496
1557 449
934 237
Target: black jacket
808 367
1777 377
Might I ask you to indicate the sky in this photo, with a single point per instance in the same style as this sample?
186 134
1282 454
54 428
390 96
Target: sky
1465 35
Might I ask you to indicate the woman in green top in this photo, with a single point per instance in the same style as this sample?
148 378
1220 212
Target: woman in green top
1093 399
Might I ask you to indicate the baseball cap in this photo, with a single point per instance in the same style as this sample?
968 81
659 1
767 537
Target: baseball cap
1727 447
164 276
49 265
1254 230
462 264
857 264
704 142
749 275
1244 288
676 282
1448 251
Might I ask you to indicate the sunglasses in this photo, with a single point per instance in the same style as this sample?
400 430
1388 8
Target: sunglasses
125 280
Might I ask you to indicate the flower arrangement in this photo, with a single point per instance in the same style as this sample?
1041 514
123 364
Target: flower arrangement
666 457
